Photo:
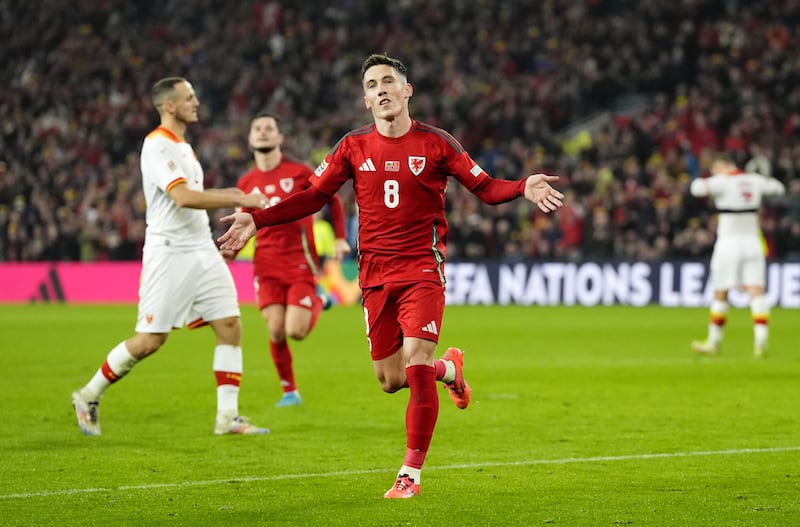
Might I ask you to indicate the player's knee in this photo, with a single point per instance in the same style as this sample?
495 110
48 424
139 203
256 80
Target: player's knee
229 330
154 344
389 387
297 332
230 324
144 344
391 384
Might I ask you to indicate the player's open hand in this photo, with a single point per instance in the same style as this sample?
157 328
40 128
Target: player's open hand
242 229
539 191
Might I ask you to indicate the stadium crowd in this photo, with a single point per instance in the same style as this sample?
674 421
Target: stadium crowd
626 100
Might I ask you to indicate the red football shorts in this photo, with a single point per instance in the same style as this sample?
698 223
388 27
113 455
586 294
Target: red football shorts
287 293
402 309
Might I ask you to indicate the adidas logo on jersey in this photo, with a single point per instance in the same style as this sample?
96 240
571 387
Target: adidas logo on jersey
430 327
367 166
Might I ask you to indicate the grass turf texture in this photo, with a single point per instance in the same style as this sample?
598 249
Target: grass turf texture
579 416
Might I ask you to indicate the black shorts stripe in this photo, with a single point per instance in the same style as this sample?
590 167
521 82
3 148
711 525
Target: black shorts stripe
734 211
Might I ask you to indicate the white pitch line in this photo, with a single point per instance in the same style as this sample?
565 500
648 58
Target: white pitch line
250 479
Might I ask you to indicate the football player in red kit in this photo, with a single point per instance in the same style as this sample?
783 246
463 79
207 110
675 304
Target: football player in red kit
285 262
400 169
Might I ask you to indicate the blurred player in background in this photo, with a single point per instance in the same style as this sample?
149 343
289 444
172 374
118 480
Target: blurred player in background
184 279
285 262
400 169
738 259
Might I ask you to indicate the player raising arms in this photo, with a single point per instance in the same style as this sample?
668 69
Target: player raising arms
738 259
285 262
400 169
184 278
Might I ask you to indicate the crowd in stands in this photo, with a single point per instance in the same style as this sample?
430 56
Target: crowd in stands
627 100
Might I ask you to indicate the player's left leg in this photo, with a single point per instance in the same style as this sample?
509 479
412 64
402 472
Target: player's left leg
754 273
228 372
759 311
453 378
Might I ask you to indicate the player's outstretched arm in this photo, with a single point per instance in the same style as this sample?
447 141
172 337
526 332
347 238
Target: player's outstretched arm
539 191
242 229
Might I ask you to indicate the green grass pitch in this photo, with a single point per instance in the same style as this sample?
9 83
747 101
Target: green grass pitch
579 416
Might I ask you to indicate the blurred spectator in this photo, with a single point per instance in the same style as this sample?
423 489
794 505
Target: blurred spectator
626 100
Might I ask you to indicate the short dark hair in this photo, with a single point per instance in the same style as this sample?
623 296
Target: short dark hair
261 114
164 89
382 58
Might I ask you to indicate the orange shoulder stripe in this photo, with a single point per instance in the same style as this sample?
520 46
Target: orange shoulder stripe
175 182
166 133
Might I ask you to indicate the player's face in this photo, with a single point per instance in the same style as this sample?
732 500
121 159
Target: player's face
264 133
720 167
386 92
185 103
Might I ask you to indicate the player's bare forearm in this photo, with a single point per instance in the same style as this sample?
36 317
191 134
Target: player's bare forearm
242 229
215 198
539 191
341 248
240 198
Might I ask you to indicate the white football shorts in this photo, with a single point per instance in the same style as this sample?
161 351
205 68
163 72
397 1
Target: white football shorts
177 288
738 261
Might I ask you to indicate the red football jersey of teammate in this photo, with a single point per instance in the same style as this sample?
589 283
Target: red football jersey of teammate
400 188
282 250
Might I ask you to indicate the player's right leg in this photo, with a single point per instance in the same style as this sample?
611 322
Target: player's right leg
278 300
164 301
421 414
408 316
759 311
276 316
404 487
724 268
754 272
119 361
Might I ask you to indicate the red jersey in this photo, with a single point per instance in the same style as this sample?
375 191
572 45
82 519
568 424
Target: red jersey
286 249
399 185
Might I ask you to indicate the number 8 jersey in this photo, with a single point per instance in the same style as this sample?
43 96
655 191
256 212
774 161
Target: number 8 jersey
399 185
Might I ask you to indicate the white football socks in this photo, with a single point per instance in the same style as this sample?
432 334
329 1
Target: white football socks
228 360
120 361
